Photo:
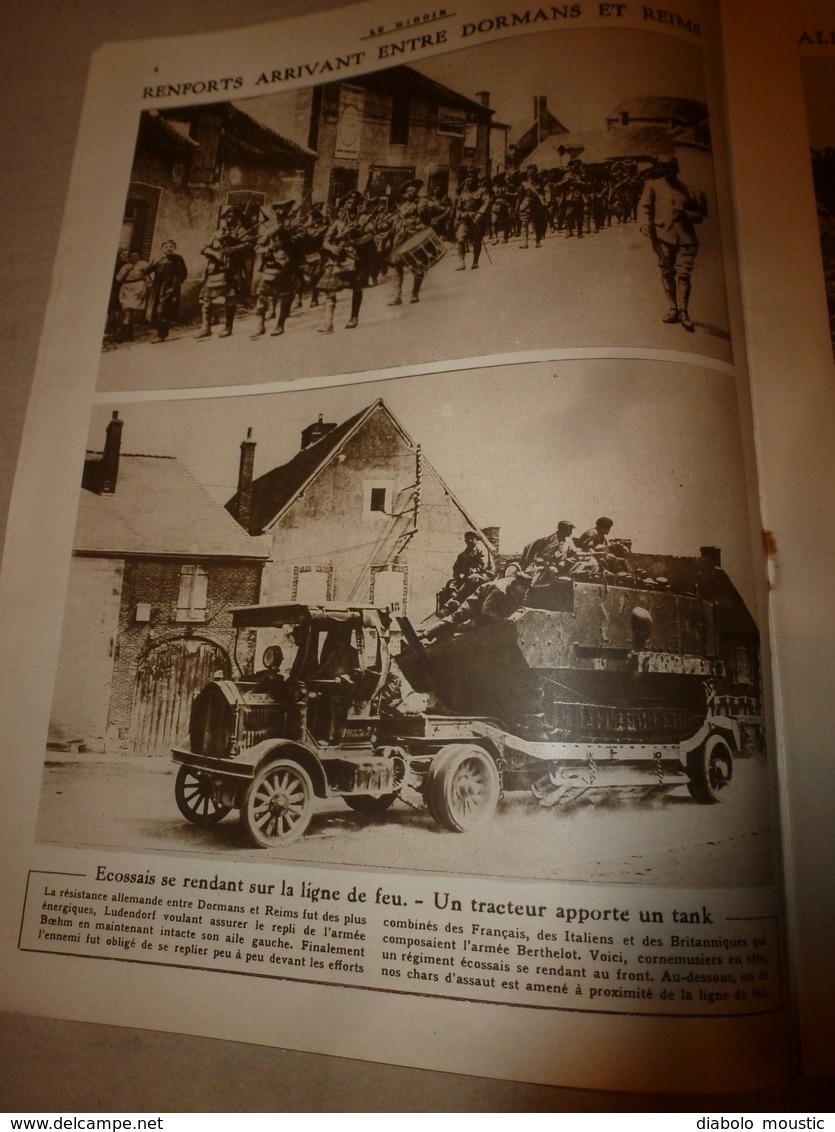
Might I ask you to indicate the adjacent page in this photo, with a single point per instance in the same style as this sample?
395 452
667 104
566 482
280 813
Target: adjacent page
395 684
780 73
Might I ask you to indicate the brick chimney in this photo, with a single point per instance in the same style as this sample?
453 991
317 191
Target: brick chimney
483 97
245 470
110 458
316 431
712 554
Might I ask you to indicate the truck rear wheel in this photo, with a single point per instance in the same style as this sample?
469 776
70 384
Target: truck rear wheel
195 798
278 804
710 769
462 788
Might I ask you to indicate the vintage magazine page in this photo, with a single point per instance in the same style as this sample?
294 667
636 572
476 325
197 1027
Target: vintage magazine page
396 680
789 95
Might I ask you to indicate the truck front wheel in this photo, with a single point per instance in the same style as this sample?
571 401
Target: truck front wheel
278 804
462 788
710 769
195 798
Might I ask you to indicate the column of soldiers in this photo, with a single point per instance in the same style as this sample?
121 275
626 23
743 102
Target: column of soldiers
303 250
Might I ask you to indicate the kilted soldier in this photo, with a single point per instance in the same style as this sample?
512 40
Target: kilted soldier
311 235
226 253
278 263
575 191
412 215
471 208
669 210
346 251
530 207
168 273
500 209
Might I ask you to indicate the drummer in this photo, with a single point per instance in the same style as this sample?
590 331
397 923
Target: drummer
413 214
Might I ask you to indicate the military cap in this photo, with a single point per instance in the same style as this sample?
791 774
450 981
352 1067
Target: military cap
414 184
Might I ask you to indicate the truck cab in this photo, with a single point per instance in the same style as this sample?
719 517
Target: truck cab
273 740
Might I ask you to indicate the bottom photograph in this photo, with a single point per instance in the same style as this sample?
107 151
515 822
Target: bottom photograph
495 623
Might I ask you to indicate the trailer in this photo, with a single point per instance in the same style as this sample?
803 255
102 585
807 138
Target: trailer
592 689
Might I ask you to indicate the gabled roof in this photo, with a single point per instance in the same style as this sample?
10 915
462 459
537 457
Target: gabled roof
158 509
249 133
408 81
244 131
157 132
550 127
636 142
274 492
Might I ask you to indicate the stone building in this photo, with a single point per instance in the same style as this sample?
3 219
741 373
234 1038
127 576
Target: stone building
358 514
156 566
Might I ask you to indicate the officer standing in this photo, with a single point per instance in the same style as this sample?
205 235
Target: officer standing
669 210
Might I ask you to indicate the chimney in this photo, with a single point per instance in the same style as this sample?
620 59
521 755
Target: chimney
483 97
110 457
245 470
315 432
540 113
712 554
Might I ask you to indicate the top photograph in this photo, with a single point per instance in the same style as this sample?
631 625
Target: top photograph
548 192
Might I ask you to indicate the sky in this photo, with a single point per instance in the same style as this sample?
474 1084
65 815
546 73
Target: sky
584 72
654 445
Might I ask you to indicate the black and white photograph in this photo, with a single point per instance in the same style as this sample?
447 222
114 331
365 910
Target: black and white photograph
488 623
508 198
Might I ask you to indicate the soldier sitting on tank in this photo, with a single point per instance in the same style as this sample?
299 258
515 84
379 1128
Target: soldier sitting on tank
472 567
494 600
554 556
602 553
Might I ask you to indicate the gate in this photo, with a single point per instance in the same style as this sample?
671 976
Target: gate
167 680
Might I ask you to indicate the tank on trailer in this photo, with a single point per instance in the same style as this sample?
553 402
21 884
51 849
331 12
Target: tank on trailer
632 659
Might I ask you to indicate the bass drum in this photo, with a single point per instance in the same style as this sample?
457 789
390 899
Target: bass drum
419 252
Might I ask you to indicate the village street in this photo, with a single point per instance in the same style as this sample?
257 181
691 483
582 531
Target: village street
602 291
128 804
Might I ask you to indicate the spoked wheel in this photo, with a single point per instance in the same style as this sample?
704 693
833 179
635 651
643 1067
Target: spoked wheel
278 804
368 804
462 789
195 798
710 769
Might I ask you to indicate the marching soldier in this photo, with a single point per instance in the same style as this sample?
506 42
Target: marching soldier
346 249
471 208
530 207
226 253
278 261
413 214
